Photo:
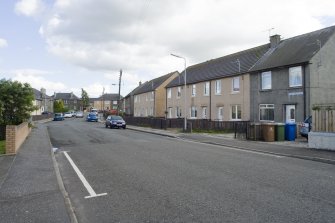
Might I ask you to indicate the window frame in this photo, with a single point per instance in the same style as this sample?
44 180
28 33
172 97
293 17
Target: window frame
206 88
237 110
234 81
291 72
218 89
194 90
178 92
193 112
263 77
267 107
169 93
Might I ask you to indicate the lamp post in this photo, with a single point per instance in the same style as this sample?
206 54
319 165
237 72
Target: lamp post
185 118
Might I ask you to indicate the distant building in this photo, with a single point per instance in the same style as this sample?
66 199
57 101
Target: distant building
42 101
70 100
106 102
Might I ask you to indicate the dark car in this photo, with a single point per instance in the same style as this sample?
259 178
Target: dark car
46 113
306 127
58 117
92 117
114 121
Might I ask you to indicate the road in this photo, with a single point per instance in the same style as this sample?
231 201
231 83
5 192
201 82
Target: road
150 178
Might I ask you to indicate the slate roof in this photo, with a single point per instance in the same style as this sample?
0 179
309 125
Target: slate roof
38 95
296 50
152 84
65 96
221 67
109 97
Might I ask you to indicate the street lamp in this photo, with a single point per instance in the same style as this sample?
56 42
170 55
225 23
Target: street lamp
185 119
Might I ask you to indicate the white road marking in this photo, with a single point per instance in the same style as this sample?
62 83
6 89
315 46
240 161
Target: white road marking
237 149
83 179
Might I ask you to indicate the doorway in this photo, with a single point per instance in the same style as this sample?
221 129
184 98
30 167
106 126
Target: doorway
290 113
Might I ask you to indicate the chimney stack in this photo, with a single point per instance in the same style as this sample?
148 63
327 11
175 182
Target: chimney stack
139 83
274 40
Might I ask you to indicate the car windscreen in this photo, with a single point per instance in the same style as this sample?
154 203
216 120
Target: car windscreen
116 118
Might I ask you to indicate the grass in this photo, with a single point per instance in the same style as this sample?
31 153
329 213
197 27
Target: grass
2 146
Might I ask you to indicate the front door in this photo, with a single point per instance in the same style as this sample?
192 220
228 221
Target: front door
290 113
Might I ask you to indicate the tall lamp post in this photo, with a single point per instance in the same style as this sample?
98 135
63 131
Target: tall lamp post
185 118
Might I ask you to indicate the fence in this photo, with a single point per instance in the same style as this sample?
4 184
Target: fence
239 128
323 120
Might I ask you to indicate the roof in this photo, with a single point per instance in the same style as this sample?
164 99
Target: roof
38 95
65 96
237 63
109 97
296 50
153 84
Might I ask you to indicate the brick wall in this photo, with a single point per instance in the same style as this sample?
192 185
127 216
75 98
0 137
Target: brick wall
15 136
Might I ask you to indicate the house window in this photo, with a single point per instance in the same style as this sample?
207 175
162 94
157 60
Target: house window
193 90
169 112
266 80
75 101
266 112
193 112
169 93
220 113
204 112
236 112
178 92
206 89
65 102
236 84
114 102
178 112
295 76
218 87
152 96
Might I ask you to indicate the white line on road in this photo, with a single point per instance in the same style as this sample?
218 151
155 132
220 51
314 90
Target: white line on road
83 179
237 149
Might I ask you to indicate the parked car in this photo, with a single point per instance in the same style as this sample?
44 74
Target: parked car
46 113
306 127
58 117
92 117
95 111
79 114
114 121
67 115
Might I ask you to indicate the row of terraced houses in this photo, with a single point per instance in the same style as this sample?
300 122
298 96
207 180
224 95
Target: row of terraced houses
279 81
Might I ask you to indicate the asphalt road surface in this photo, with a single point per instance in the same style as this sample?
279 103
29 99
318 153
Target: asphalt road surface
150 178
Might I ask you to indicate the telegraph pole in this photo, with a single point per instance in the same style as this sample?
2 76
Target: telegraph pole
118 104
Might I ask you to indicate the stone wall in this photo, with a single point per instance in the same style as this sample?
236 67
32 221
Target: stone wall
15 136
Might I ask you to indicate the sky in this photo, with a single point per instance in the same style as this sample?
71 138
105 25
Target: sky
67 45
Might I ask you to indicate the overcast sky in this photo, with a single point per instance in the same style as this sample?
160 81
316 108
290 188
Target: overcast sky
66 45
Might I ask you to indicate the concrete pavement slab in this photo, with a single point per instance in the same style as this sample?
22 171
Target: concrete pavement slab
30 191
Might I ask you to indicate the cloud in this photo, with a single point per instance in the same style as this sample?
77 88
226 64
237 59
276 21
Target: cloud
37 79
3 43
29 7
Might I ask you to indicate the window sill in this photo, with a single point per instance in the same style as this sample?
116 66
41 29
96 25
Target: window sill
235 92
265 90
218 94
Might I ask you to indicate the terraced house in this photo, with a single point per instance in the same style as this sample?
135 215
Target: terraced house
277 82
150 99
218 89
295 75
70 100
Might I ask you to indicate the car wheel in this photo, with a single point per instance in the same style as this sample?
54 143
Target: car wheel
111 126
106 126
124 127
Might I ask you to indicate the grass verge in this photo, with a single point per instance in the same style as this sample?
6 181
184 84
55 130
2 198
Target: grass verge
2 147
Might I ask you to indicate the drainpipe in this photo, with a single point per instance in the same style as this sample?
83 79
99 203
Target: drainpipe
210 100
304 90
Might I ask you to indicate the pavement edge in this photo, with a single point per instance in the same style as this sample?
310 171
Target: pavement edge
66 197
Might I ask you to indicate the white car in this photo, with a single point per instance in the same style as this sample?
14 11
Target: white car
79 114
67 115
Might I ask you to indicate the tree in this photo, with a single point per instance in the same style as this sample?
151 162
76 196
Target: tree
85 99
59 106
16 102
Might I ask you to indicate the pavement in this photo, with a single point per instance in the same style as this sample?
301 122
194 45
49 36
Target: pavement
31 189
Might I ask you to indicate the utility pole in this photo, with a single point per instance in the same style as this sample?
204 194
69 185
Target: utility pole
118 104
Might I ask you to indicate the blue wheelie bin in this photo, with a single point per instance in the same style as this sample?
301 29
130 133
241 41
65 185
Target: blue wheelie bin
290 131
